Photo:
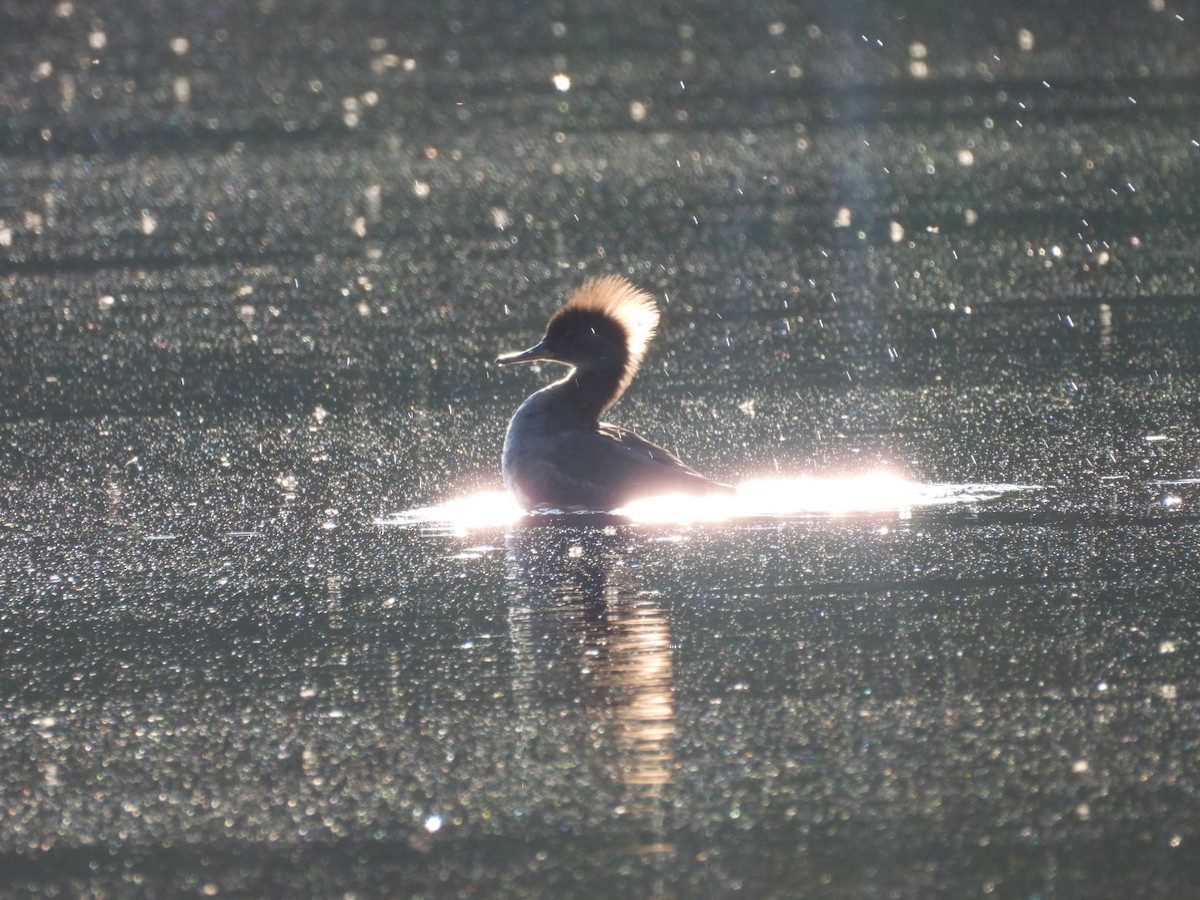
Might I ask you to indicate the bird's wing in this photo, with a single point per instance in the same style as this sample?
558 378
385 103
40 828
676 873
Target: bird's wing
645 449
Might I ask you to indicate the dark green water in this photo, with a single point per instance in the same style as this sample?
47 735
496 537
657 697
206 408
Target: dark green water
255 261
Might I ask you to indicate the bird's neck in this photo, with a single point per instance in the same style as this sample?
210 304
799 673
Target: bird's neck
590 390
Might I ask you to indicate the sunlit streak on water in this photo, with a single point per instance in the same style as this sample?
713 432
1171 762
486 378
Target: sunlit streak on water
641 663
873 493
878 492
486 509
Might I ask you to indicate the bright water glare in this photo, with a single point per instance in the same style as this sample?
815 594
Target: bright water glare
877 493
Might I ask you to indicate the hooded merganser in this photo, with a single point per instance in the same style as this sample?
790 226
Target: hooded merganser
557 452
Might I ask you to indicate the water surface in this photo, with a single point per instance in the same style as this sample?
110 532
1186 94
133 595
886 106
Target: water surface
254 264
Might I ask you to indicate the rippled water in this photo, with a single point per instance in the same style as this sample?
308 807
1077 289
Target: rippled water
928 278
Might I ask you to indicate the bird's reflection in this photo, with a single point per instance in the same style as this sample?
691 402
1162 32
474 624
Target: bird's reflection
590 641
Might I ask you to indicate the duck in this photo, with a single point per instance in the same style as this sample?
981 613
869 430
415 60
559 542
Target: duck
558 455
